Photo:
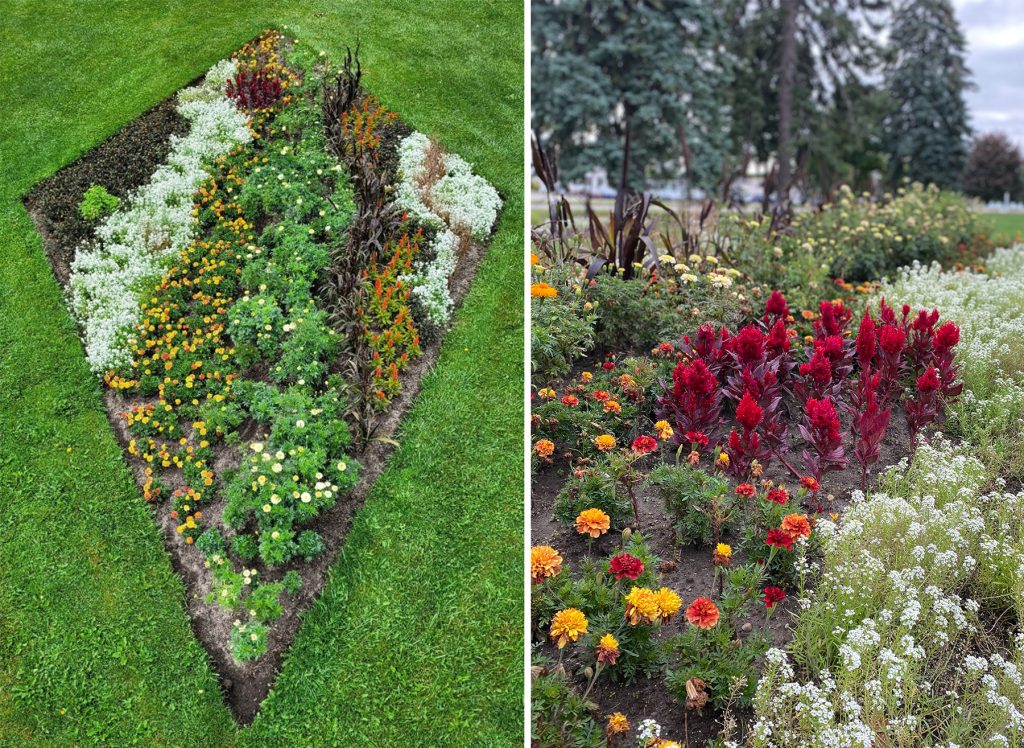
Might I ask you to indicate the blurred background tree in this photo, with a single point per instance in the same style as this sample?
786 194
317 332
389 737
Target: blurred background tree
993 168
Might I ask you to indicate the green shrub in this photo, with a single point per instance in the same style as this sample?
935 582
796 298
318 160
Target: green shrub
97 202
248 641
562 328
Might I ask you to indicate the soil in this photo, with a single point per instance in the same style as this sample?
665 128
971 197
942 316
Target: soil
53 206
690 573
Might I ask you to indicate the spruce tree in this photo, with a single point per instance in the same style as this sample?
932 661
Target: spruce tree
926 127
634 86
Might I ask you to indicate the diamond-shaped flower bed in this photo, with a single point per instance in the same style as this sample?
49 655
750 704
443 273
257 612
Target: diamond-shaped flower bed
262 269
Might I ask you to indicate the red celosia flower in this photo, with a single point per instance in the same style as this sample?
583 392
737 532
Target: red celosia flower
779 539
644 444
697 437
571 400
891 339
947 336
810 483
748 344
745 490
823 417
929 381
925 321
866 341
818 369
773 595
778 495
748 412
778 338
776 305
831 346
625 566
608 365
702 613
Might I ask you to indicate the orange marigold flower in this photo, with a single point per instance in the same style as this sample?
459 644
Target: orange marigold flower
544 447
669 603
702 613
663 430
543 291
592 522
586 376
534 259
567 626
605 442
642 606
808 314
611 406
617 724
796 526
545 562
608 649
601 395
546 393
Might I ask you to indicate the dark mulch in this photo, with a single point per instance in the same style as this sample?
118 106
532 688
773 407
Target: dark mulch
691 574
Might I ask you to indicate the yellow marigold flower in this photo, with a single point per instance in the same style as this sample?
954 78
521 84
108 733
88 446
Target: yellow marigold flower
669 603
642 606
568 625
617 724
544 448
586 376
543 291
592 522
724 549
723 461
608 649
545 562
663 430
546 393
605 442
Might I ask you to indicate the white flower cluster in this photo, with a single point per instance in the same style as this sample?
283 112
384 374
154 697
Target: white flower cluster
134 244
895 612
989 307
464 202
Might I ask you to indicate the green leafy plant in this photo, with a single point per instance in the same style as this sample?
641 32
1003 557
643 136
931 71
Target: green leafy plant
97 202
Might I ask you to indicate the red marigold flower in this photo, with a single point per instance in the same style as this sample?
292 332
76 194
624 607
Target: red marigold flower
745 490
776 305
601 395
796 526
571 400
819 368
644 444
891 339
748 412
947 336
666 349
778 495
773 595
748 344
702 613
626 566
929 381
697 437
810 483
779 539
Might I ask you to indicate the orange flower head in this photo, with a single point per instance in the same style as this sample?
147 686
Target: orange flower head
642 606
567 626
544 562
617 724
702 613
608 649
612 406
586 376
593 522
605 442
543 291
669 603
546 393
796 526
544 448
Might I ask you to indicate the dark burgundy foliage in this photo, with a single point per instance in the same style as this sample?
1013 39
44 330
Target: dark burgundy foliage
820 429
694 403
254 89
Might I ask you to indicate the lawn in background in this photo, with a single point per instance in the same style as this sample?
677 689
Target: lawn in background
417 638
1007 228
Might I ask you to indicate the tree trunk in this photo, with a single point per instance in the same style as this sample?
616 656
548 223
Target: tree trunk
787 74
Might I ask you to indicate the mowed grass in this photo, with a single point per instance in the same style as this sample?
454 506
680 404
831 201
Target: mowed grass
417 639
1007 228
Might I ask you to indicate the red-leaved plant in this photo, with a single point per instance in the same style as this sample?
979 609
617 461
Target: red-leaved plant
694 403
820 429
746 445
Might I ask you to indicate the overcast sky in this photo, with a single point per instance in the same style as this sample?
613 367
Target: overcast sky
995 55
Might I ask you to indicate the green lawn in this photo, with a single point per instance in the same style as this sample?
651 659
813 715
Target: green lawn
417 639
1007 228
